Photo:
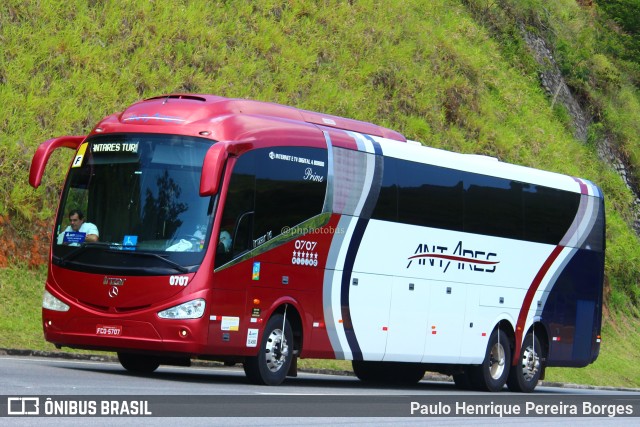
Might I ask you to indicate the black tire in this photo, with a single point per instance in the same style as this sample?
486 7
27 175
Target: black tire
524 376
396 373
365 371
493 373
274 357
462 381
138 363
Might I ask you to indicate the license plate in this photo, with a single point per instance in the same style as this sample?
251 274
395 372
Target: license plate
112 330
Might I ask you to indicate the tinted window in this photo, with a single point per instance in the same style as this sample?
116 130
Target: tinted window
426 195
237 219
548 213
386 208
290 188
493 206
271 189
432 196
441 193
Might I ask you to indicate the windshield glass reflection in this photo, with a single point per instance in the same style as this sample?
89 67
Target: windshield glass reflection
136 193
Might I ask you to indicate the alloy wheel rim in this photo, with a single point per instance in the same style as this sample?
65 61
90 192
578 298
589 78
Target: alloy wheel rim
530 364
276 350
496 361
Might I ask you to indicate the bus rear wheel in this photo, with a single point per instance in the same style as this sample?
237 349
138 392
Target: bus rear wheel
275 353
138 363
492 374
524 376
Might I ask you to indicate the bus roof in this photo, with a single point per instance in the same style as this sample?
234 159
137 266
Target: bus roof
231 119
191 109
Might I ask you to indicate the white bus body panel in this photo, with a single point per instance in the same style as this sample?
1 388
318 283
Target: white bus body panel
370 319
455 302
408 318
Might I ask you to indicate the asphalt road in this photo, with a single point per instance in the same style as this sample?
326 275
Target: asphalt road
34 376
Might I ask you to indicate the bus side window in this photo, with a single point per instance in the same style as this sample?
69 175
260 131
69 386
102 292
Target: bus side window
271 190
291 183
242 234
237 217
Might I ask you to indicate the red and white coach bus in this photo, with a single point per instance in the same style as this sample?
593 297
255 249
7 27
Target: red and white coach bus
255 233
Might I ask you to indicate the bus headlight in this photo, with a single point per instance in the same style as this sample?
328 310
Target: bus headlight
52 303
188 310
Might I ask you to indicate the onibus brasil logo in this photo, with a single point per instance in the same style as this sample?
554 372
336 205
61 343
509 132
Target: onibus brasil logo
461 258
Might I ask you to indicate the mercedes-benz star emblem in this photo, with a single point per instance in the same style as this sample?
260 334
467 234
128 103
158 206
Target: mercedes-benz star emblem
113 292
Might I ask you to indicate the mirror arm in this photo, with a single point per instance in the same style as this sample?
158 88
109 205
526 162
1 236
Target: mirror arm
42 154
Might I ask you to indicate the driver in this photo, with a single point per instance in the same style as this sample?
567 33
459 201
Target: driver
80 230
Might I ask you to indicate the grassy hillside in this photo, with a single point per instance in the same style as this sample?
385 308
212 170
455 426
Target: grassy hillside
452 74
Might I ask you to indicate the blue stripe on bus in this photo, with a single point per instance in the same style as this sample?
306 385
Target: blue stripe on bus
349 261
377 149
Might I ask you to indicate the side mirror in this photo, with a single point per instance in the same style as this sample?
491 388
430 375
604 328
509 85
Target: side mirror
212 169
42 154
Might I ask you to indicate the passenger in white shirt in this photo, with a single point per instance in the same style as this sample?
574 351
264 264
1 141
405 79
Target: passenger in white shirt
79 225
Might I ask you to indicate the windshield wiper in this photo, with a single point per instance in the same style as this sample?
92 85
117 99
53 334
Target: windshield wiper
117 249
175 265
74 254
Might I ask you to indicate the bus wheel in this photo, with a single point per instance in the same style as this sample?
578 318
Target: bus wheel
388 372
272 363
407 373
367 371
494 371
138 363
525 374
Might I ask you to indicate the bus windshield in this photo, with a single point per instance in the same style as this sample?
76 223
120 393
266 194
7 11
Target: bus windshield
131 202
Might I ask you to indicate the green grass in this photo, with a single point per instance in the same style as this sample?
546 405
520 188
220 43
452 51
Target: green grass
21 291
20 328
